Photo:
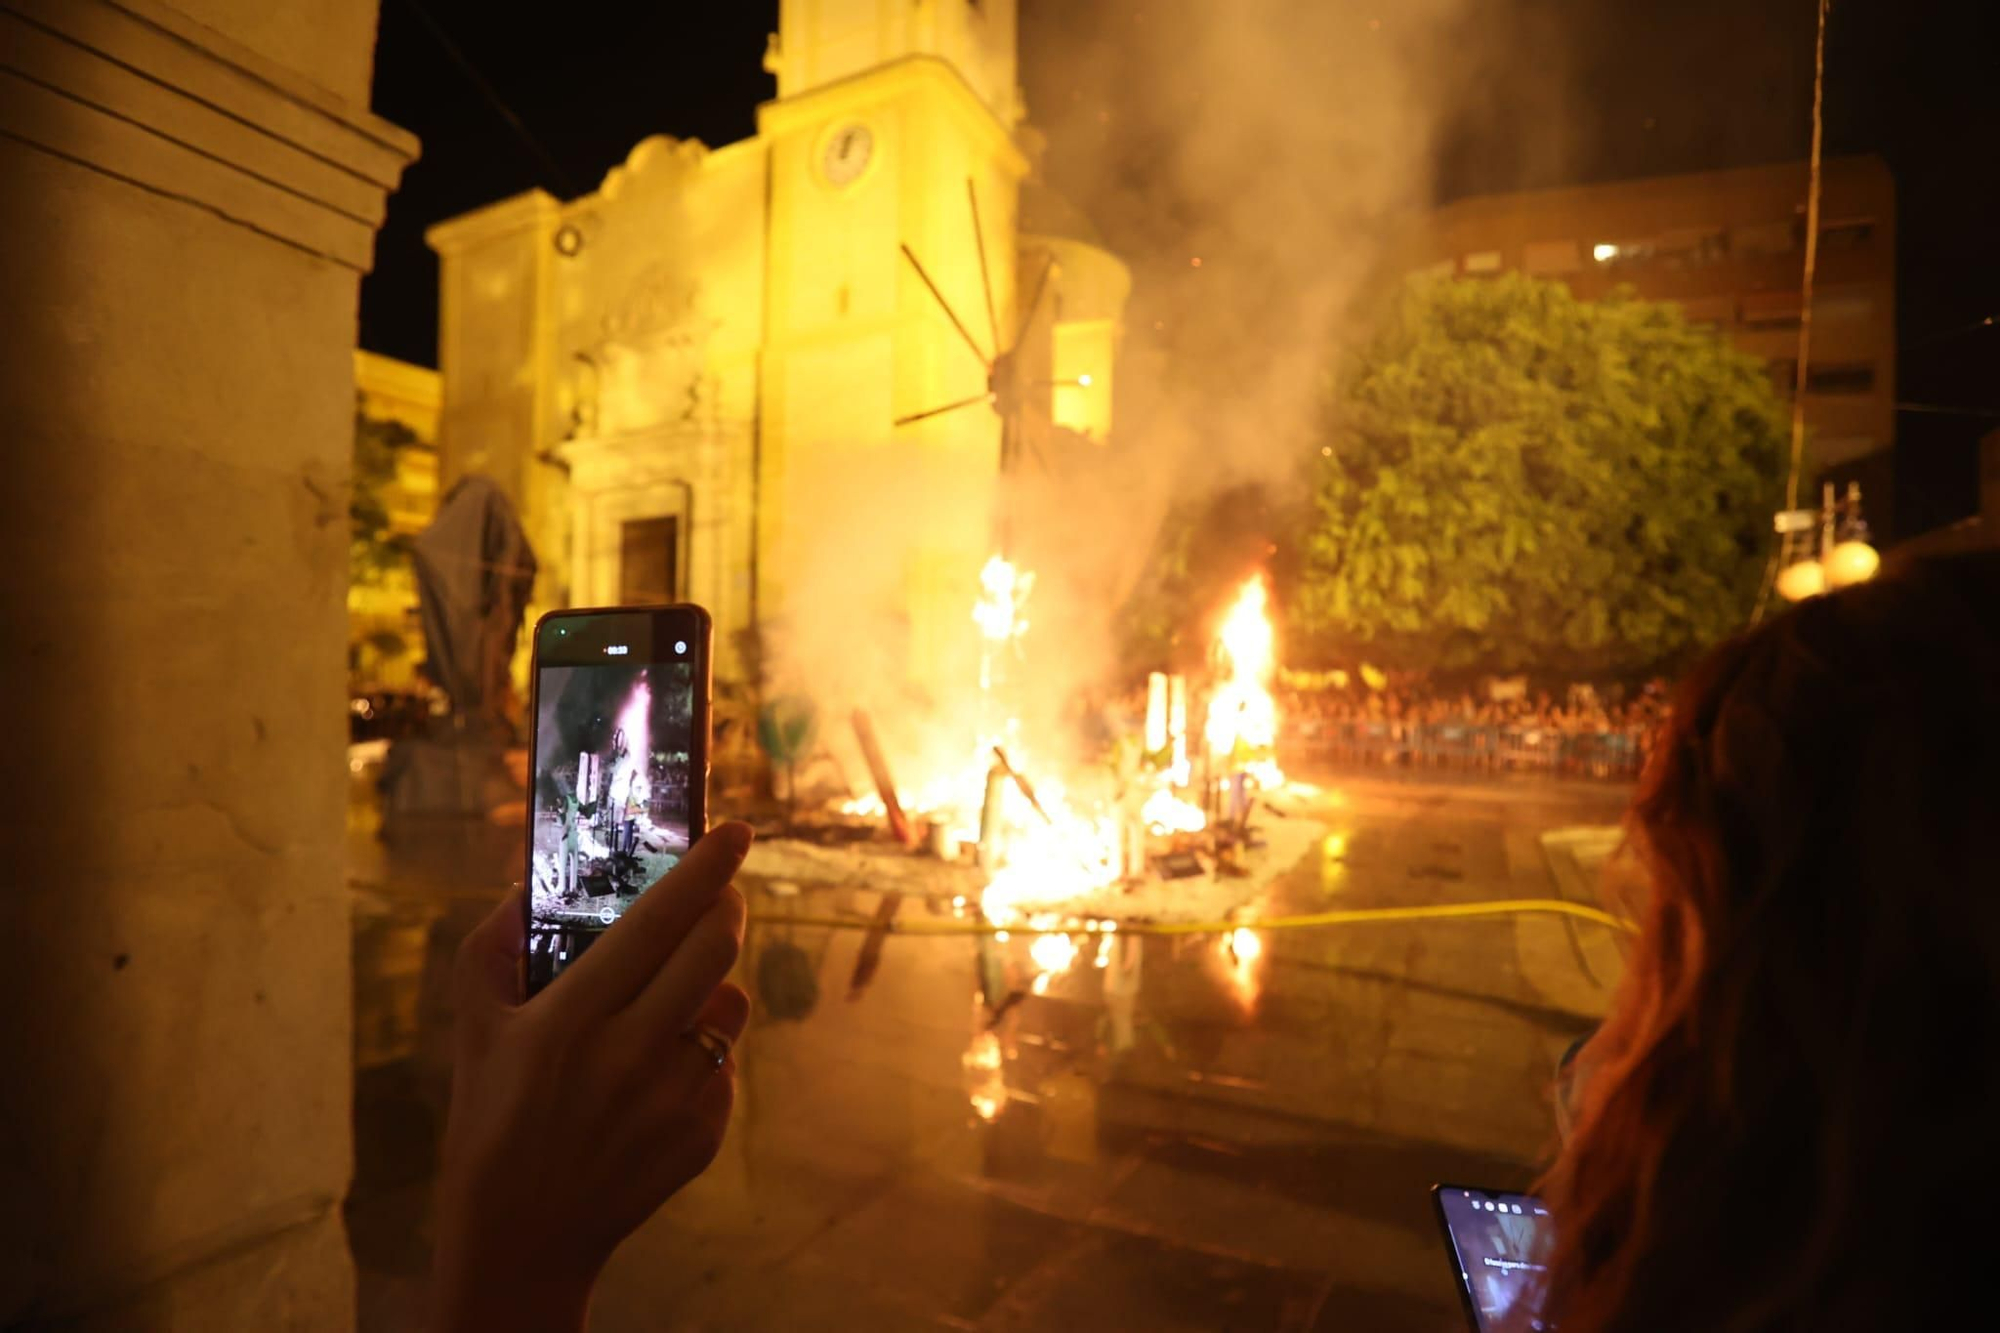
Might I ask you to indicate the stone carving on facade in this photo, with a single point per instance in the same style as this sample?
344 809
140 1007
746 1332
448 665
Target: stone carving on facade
648 366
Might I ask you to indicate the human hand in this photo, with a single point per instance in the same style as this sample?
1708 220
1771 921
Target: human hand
574 1116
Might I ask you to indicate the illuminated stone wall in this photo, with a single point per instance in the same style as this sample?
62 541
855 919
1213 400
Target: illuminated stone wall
726 338
189 205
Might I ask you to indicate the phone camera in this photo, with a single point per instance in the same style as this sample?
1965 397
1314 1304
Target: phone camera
680 645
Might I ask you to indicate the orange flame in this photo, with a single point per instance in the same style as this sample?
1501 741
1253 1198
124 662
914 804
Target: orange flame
1242 725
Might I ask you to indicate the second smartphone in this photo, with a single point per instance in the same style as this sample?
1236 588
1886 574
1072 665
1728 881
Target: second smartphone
617 792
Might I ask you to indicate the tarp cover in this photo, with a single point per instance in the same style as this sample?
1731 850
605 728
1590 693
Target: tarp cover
475 571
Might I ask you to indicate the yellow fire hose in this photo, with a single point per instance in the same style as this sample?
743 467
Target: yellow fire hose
1354 916
1359 916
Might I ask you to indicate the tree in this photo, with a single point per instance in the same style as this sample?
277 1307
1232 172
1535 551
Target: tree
374 549
1207 544
1516 479
378 558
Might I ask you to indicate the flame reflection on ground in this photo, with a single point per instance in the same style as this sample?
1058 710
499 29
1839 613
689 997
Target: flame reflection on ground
1242 952
986 1082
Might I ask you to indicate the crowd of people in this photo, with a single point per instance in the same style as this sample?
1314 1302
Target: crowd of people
1587 733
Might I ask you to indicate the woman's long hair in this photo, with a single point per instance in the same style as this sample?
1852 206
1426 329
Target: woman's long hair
1793 1119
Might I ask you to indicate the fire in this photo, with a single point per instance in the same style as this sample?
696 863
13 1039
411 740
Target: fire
1242 728
1002 590
941 800
1003 594
1053 953
984 1072
1241 950
629 784
1039 844
1167 813
1040 859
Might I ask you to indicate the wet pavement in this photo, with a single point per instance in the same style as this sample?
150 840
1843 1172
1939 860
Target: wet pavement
1184 1138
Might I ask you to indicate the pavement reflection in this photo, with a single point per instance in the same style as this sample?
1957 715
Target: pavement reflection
1230 1131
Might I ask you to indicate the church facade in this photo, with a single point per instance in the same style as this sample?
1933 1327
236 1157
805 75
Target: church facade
716 378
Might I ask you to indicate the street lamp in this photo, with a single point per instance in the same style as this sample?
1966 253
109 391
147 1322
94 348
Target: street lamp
1841 555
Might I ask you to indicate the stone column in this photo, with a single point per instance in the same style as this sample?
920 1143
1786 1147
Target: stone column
188 197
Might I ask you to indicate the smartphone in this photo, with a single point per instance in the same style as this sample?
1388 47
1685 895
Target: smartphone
618 790
1499 1245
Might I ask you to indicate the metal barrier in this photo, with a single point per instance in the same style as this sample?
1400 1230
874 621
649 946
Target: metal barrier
1468 747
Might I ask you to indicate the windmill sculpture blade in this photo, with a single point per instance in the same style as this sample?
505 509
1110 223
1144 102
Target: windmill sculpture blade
948 407
1028 310
945 305
985 278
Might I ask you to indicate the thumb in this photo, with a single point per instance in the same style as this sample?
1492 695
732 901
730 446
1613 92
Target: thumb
488 972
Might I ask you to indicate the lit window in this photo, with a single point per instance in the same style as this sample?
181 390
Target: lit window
1621 252
1082 352
1483 261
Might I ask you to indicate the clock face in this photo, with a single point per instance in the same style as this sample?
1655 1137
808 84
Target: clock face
847 152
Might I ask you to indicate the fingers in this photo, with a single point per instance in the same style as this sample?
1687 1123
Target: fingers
487 974
694 1127
619 966
690 978
727 1011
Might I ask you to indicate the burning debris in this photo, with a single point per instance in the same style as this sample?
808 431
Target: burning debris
1162 828
1242 731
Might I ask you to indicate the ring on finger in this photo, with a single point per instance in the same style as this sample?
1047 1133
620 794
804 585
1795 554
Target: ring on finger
712 1040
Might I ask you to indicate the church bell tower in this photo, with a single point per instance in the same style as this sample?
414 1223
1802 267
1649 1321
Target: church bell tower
893 130
824 41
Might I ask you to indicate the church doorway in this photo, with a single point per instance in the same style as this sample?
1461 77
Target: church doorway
649 561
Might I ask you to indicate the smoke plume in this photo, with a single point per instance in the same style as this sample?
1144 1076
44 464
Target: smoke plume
1254 162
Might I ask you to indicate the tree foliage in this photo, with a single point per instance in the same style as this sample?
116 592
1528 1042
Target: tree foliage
374 549
1517 479
1206 546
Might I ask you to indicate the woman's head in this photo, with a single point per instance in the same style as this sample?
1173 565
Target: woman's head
1794 1100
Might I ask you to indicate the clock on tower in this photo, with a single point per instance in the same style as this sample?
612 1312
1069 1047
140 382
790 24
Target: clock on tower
848 151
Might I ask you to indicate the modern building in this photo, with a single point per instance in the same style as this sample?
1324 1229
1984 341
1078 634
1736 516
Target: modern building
1977 531
384 637
1729 248
699 381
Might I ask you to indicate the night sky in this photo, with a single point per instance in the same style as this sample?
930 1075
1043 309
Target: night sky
1649 87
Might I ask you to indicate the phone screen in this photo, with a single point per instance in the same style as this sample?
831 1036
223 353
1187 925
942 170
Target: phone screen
1500 1244
620 748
